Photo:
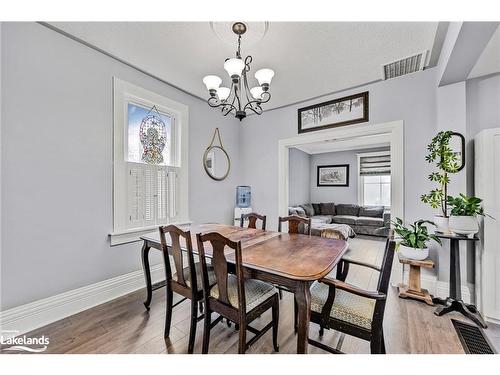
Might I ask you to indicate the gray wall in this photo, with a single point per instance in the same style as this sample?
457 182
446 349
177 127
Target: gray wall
299 168
337 194
411 98
57 186
483 104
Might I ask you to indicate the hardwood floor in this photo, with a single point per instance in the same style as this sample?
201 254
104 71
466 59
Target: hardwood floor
124 326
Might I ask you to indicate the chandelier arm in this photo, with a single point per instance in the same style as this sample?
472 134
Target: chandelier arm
247 90
215 103
237 97
257 109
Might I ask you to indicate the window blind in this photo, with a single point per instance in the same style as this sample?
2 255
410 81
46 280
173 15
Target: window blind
375 165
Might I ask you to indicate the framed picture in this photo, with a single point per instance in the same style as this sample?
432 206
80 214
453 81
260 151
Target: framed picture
333 175
338 112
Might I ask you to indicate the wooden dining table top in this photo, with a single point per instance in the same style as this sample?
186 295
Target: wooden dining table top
294 256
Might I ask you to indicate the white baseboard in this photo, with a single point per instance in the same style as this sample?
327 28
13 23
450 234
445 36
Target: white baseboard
37 314
441 288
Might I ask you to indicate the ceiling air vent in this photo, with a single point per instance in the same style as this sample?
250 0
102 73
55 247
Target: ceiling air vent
405 66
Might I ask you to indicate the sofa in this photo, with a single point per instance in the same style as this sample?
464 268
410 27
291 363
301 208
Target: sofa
369 220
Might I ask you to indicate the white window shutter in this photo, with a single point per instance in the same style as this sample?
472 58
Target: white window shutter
135 196
161 195
149 195
172 197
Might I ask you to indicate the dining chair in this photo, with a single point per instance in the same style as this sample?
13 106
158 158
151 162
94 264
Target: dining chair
349 309
294 223
233 296
186 281
252 220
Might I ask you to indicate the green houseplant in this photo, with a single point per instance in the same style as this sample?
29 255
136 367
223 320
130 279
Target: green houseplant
463 214
414 238
446 161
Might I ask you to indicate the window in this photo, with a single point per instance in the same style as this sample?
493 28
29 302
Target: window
374 183
376 191
150 162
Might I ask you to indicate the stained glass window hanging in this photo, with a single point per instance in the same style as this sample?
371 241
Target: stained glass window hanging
149 135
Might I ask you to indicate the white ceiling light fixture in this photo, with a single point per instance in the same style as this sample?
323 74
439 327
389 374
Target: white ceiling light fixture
232 100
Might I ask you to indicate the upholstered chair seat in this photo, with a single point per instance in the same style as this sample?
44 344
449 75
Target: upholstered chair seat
256 292
199 282
347 307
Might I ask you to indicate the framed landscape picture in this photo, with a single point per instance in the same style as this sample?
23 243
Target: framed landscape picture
338 112
333 175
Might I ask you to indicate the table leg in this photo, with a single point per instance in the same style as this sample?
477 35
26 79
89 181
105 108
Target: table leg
455 291
303 298
147 273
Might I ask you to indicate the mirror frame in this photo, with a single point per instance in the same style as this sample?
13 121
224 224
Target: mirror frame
462 152
205 155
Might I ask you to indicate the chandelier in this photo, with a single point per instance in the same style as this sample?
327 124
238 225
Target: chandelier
239 99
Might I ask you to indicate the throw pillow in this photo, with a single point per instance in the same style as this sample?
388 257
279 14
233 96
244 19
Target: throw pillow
347 209
308 208
372 211
300 211
292 211
327 208
317 209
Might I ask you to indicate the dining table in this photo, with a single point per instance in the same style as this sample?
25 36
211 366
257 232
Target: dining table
292 261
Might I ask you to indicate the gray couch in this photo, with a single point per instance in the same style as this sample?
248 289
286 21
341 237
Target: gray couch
371 220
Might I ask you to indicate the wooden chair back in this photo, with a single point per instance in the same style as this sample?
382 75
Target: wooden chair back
386 267
220 266
294 223
175 235
252 220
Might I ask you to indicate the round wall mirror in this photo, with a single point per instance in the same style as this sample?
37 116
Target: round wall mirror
216 162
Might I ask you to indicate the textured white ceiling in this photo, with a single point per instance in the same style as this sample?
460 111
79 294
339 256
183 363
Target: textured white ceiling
310 58
489 61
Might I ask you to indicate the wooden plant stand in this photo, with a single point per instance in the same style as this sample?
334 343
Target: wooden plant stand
413 289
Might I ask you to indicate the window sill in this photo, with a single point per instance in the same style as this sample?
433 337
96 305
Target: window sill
133 235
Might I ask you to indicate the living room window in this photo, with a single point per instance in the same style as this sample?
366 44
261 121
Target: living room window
150 162
374 183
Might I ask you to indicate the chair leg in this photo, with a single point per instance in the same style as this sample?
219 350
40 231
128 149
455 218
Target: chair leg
376 344
321 331
276 318
295 312
168 310
242 344
200 306
192 328
206 330
280 292
383 343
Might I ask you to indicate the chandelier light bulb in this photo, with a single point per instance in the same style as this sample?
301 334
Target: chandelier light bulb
256 92
212 82
234 67
264 76
223 93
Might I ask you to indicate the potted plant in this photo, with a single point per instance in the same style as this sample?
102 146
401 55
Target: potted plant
446 161
463 214
413 244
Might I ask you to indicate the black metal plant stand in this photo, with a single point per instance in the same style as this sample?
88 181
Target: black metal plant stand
454 300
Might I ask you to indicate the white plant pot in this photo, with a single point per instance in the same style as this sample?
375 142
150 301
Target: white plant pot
442 224
412 253
467 225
